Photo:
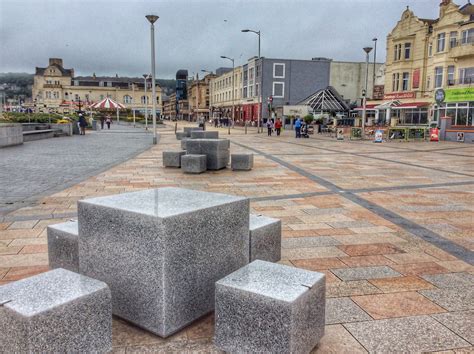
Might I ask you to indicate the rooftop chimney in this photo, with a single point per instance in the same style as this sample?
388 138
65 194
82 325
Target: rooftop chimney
57 61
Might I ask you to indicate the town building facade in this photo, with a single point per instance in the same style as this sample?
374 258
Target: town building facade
56 89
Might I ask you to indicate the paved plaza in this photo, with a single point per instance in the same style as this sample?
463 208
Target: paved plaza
391 225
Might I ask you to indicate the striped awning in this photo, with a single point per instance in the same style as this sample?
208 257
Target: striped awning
107 103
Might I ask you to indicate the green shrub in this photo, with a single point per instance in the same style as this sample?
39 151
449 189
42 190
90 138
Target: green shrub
308 119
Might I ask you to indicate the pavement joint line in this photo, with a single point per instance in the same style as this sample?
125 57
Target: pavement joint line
413 186
376 158
406 224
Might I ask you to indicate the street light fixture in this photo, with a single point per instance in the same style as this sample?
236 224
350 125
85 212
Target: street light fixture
367 50
233 89
146 76
152 19
210 93
260 109
375 60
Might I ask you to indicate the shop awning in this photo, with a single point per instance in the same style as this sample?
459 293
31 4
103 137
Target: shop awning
412 105
367 107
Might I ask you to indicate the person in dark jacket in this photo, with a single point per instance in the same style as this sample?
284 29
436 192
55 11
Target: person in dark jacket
102 121
82 124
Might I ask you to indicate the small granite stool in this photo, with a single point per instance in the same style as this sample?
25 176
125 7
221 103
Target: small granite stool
216 150
265 238
241 162
187 130
63 248
197 134
56 312
270 308
193 163
180 135
172 158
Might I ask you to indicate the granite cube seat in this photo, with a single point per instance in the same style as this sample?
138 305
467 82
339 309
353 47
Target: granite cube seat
55 312
208 134
265 238
172 158
241 162
183 143
216 150
160 253
270 308
180 135
63 248
187 130
193 163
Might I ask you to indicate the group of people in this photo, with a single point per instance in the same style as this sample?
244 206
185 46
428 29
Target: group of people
274 125
82 122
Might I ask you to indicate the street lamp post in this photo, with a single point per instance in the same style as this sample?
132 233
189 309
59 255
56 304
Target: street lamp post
210 94
233 91
364 114
146 76
260 97
133 103
152 19
375 60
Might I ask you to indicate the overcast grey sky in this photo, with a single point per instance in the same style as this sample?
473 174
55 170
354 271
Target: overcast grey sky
108 37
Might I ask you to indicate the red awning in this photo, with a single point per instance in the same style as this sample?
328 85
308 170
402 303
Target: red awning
412 105
369 106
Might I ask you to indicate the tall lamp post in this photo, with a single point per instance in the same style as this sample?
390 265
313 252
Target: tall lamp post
367 50
210 92
260 108
146 76
375 60
233 90
152 19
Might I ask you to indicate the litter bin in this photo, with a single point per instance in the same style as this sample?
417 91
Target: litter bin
94 125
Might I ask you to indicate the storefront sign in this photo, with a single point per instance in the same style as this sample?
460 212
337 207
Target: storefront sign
440 96
434 134
459 94
416 78
378 136
398 95
378 92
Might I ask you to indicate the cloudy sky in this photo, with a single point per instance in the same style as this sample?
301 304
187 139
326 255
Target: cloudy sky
113 36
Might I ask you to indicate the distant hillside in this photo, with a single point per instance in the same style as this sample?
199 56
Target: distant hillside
19 84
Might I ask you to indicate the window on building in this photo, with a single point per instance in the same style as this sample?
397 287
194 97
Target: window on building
428 82
144 99
257 86
251 73
407 50
278 89
109 83
453 39
76 97
467 36
127 99
450 80
48 94
245 75
250 91
101 83
393 82
245 92
279 70
405 82
257 71
438 76
441 42
466 75
430 49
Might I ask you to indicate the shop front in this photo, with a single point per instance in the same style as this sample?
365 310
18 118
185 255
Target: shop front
250 112
456 103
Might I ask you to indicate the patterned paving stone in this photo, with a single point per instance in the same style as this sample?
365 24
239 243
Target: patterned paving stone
351 288
457 299
405 258
343 310
350 224
301 242
363 261
461 323
29 224
401 304
420 268
306 253
369 249
319 263
408 283
409 334
451 280
337 339
360 273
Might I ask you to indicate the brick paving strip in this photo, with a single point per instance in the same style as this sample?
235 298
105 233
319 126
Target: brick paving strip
408 225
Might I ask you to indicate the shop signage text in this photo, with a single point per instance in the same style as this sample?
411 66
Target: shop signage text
399 95
459 94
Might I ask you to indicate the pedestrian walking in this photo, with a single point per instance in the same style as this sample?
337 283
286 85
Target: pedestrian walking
82 124
108 121
102 121
278 125
298 127
270 126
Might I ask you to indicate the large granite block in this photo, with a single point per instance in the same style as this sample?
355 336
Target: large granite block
172 158
63 251
183 143
55 312
187 130
162 250
265 238
270 308
180 135
242 162
208 134
193 163
216 150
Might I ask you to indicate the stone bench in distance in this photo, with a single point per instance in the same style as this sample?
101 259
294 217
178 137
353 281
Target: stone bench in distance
172 158
183 143
56 312
180 135
187 130
193 163
265 238
63 246
208 134
241 162
160 254
216 150
270 308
